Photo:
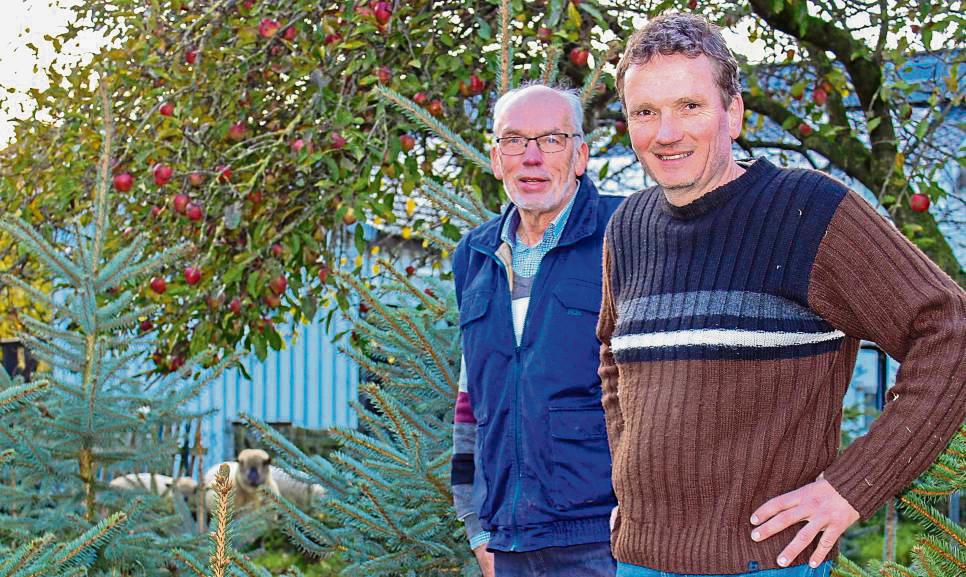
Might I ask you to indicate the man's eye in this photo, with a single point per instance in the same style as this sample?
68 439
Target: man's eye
644 112
512 140
692 106
552 139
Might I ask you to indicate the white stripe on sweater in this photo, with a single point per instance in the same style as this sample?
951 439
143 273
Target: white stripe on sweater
720 337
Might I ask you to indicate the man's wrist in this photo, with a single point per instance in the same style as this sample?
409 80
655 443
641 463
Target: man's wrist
481 538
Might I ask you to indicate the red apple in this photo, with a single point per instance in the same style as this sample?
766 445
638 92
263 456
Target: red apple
180 202
407 142
693 4
383 12
297 145
158 285
166 109
578 56
272 300
544 34
162 174
176 363
194 212
349 217
123 182
410 270
332 38
267 27
323 273
436 107
620 127
255 197
192 275
277 250
278 284
224 173
429 292
290 33
363 308
146 326
236 132
196 178
235 305
805 129
919 203
156 211
191 56
819 96
384 74
476 84
337 140
420 98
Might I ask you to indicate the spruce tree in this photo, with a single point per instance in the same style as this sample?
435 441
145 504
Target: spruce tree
97 416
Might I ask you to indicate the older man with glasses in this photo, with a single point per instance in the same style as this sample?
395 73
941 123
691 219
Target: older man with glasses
531 465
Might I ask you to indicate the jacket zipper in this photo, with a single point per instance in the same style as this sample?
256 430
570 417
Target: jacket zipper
517 353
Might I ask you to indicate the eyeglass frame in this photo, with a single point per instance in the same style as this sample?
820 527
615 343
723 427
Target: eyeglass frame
536 139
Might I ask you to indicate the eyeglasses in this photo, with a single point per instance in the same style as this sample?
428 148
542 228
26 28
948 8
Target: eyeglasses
549 143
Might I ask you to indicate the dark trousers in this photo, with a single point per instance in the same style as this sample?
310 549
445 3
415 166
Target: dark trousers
591 560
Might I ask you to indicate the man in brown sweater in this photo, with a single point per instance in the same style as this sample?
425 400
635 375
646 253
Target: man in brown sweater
735 297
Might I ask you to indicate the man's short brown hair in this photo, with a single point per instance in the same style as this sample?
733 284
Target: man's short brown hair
687 34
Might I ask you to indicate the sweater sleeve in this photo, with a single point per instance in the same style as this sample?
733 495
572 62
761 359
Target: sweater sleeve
608 368
871 283
463 469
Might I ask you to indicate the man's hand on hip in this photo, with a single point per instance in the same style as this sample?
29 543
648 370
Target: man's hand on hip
819 505
485 559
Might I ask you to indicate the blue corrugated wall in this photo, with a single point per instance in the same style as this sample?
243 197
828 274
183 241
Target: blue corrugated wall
308 384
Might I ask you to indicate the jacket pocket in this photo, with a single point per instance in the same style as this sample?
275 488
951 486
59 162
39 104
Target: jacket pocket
580 458
474 306
578 297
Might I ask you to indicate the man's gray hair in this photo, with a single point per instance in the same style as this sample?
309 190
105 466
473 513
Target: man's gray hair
687 34
570 95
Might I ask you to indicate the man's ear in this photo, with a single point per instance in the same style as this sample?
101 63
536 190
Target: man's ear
496 163
583 155
736 117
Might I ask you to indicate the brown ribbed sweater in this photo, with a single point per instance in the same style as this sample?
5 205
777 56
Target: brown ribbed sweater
729 331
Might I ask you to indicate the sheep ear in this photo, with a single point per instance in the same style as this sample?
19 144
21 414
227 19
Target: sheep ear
268 461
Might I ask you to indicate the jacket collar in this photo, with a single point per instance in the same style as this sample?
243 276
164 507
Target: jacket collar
581 223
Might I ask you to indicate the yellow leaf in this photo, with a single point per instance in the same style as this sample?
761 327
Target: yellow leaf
410 206
407 232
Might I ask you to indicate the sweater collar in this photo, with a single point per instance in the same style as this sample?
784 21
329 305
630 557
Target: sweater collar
754 170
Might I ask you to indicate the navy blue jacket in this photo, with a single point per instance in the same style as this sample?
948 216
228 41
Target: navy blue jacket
542 463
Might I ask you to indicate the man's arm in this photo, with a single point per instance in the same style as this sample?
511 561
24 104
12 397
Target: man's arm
872 283
463 472
608 368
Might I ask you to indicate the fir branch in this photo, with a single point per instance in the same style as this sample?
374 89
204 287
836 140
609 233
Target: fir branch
413 290
934 521
504 72
433 190
16 397
113 307
844 567
24 555
103 175
550 67
116 270
39 297
364 442
590 85
39 247
51 332
189 561
170 255
219 559
93 538
438 240
245 566
418 114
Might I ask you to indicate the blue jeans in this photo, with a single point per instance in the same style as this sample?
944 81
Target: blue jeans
627 570
591 560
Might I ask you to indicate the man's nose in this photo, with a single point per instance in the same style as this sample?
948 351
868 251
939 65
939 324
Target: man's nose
532 153
669 130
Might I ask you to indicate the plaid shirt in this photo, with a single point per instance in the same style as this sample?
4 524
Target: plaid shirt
526 259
